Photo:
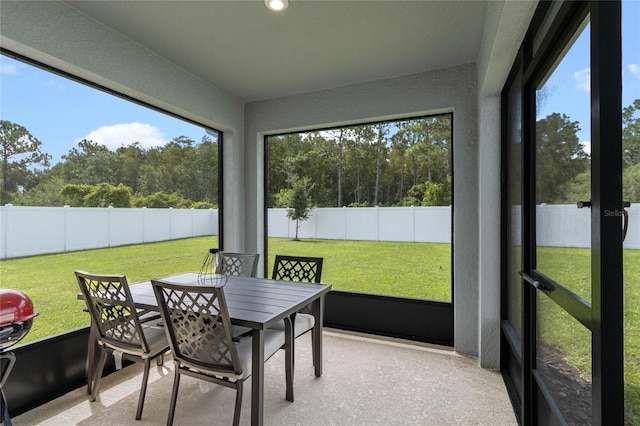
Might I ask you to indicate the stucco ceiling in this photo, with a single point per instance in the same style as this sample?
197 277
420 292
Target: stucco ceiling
256 54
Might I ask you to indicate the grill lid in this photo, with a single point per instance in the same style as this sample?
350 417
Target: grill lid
15 306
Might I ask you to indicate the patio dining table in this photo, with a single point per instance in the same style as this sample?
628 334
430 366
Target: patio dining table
258 304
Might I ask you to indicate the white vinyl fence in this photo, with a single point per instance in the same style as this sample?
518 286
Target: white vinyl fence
26 231
413 224
565 225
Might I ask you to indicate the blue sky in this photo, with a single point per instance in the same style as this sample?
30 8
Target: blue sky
60 112
567 89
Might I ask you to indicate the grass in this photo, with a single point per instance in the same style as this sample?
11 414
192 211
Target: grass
572 268
415 270
51 285
349 265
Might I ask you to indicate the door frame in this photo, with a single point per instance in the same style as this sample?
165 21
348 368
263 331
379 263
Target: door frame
553 27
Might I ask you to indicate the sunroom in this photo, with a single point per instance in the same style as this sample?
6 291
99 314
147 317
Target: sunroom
249 73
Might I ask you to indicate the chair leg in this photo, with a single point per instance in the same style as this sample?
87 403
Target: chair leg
313 347
174 395
91 358
4 410
97 374
238 407
143 388
289 356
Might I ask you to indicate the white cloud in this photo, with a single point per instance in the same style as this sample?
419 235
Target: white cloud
57 85
8 69
583 79
586 146
118 135
634 69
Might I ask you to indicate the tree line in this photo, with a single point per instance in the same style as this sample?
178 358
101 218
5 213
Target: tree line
563 168
409 163
181 174
399 163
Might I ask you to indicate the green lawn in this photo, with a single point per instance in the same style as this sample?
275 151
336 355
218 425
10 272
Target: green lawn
348 265
571 267
51 285
416 270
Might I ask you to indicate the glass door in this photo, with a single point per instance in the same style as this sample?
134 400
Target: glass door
564 218
561 267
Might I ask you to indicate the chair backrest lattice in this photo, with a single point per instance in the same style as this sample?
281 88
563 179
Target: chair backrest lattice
111 307
239 264
297 268
198 325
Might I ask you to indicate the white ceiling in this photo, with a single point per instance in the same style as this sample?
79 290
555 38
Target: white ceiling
256 54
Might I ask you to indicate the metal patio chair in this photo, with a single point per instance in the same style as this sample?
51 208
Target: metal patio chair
297 268
119 328
302 269
238 264
200 335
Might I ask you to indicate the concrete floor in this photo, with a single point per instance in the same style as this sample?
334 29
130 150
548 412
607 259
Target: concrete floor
366 381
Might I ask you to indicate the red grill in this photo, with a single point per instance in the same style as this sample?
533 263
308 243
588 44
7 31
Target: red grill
16 316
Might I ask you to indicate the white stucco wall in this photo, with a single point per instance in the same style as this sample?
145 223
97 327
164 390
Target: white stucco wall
452 89
489 232
58 36
506 23
505 26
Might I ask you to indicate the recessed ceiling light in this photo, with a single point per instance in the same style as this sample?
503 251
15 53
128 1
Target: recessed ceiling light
276 5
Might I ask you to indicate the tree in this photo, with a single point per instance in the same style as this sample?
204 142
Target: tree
319 163
398 156
339 137
162 200
420 152
280 162
182 167
631 133
46 193
357 155
560 156
105 195
631 152
129 161
437 194
100 195
363 165
382 130
207 152
631 183
90 164
298 202
154 176
578 188
19 150
73 194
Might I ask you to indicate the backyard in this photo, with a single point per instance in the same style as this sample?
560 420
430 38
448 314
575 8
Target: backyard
348 265
415 270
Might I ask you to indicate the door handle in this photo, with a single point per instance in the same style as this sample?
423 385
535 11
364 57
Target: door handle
625 218
537 284
625 214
